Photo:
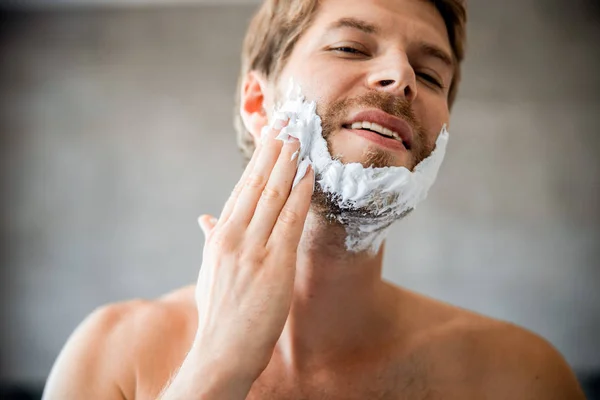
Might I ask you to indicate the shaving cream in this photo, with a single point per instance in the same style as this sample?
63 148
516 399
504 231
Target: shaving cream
366 200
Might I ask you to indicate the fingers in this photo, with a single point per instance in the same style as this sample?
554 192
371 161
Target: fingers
229 205
275 194
257 178
290 222
207 223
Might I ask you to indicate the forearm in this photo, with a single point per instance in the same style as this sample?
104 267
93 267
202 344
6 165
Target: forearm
199 380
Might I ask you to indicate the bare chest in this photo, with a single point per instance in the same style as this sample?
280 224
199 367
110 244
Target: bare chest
416 377
409 382
407 390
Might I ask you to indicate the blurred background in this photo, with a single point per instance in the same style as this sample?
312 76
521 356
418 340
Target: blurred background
116 133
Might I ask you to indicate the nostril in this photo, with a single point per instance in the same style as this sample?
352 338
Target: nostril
387 82
407 92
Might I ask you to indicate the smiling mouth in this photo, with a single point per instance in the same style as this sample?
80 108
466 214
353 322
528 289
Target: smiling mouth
378 129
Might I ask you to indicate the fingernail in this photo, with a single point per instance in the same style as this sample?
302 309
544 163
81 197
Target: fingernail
291 141
310 168
200 222
279 124
302 171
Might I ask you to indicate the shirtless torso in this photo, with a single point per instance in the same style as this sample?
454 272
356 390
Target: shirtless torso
285 308
133 349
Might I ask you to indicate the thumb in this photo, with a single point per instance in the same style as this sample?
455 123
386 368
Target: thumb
207 223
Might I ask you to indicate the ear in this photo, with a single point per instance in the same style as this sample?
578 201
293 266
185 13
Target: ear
252 103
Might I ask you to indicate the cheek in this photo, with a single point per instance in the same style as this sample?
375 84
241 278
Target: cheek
318 80
432 113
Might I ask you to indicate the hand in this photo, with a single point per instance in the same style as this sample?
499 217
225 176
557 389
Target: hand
246 281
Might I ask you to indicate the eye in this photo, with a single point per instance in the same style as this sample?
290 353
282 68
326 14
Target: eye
348 50
431 79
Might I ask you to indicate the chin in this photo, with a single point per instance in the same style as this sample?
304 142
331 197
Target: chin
371 157
350 148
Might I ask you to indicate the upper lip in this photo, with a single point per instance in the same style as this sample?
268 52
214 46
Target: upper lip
401 127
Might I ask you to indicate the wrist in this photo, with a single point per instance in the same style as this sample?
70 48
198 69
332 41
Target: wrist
204 379
236 363
225 377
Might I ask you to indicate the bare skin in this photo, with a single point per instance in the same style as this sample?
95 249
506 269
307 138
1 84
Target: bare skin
133 350
281 310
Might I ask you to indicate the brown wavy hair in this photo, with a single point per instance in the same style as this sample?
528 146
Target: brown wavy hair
277 26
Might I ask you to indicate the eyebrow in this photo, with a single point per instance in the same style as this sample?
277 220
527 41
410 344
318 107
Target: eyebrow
431 50
355 24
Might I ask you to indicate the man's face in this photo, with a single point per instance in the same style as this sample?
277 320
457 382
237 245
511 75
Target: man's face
382 57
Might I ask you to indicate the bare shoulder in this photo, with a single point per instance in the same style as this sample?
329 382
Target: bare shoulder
517 363
493 358
501 360
106 352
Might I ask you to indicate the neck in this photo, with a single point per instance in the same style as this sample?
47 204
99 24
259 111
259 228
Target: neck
340 301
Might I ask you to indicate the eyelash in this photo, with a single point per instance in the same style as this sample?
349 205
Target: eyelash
431 79
348 49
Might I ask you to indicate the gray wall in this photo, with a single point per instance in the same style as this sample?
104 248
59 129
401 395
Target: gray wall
116 134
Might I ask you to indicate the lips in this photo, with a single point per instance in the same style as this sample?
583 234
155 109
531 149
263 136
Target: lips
383 124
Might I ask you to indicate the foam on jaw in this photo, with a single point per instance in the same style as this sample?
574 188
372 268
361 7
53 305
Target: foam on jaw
385 194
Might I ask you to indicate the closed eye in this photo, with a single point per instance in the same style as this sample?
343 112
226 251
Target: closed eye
349 50
431 79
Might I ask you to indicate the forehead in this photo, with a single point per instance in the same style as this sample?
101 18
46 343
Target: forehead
409 19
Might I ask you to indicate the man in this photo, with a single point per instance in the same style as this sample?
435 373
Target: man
283 307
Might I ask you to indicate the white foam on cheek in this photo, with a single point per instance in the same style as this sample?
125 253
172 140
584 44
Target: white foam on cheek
387 194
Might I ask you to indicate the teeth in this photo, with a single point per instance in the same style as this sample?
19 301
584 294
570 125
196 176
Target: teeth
376 128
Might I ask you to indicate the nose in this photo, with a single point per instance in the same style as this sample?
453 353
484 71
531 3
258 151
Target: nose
394 75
